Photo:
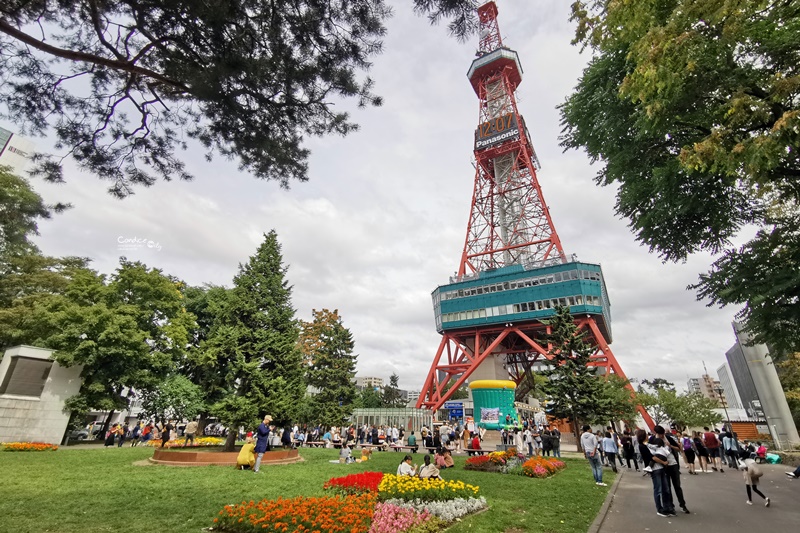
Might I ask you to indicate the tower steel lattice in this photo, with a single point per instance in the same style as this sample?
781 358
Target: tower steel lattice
513 269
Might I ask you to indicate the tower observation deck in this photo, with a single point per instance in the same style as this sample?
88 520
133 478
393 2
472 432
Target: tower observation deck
513 270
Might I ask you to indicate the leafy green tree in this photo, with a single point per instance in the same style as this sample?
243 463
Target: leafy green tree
124 84
618 400
253 344
574 391
691 106
667 406
460 393
391 393
327 347
175 398
369 398
28 281
126 333
789 374
207 304
21 208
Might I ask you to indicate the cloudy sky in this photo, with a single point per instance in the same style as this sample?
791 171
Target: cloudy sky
381 223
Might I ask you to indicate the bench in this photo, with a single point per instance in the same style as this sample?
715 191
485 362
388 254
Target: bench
397 448
315 444
473 451
379 447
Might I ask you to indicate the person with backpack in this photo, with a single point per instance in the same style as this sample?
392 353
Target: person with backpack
752 473
689 454
628 449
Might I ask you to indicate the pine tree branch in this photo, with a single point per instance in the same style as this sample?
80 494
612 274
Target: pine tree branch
72 55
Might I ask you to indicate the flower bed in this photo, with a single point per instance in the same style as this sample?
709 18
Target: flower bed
368 502
351 514
199 442
510 462
413 488
542 467
355 483
29 447
495 461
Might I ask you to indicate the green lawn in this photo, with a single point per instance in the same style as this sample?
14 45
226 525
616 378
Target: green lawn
93 490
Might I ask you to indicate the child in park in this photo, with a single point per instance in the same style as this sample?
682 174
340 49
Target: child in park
247 456
752 473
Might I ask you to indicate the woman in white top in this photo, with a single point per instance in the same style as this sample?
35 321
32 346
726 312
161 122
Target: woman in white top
429 470
406 468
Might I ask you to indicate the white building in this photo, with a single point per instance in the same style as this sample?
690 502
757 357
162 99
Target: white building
33 389
15 152
369 383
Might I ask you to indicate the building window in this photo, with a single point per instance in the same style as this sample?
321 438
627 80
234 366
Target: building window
26 376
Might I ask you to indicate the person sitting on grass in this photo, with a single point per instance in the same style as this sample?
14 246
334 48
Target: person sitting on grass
344 454
247 456
406 468
429 470
448 459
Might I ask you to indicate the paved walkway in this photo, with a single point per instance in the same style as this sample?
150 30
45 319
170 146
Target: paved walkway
716 501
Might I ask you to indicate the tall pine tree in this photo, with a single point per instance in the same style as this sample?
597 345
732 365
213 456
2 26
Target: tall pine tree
573 389
254 343
328 350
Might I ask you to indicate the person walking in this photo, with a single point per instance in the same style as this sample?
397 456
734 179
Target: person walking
628 449
124 431
262 442
752 473
711 442
166 432
189 433
731 446
611 450
689 453
591 451
527 436
673 469
656 462
702 452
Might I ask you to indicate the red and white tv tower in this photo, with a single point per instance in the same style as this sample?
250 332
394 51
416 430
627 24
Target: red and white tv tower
513 270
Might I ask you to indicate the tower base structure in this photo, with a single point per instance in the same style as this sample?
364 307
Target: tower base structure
508 351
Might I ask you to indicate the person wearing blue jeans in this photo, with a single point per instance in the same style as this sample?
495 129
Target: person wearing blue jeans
589 444
662 494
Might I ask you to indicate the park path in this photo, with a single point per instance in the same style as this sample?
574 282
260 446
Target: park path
716 501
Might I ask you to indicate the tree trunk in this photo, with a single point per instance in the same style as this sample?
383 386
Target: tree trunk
230 442
577 435
107 423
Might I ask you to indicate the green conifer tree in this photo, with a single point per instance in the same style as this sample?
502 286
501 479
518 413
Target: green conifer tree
254 342
328 348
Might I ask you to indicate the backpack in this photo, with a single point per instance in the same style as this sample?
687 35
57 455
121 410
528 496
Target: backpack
687 443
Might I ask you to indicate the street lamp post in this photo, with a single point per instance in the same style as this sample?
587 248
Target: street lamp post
719 391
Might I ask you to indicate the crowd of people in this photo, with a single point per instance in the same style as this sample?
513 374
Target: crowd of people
660 451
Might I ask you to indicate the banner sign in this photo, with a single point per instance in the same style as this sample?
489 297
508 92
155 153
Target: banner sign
490 414
496 131
453 405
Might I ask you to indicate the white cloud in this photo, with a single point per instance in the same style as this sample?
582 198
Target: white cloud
382 220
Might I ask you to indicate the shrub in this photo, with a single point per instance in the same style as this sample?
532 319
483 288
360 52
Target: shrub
351 514
355 483
29 447
199 442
